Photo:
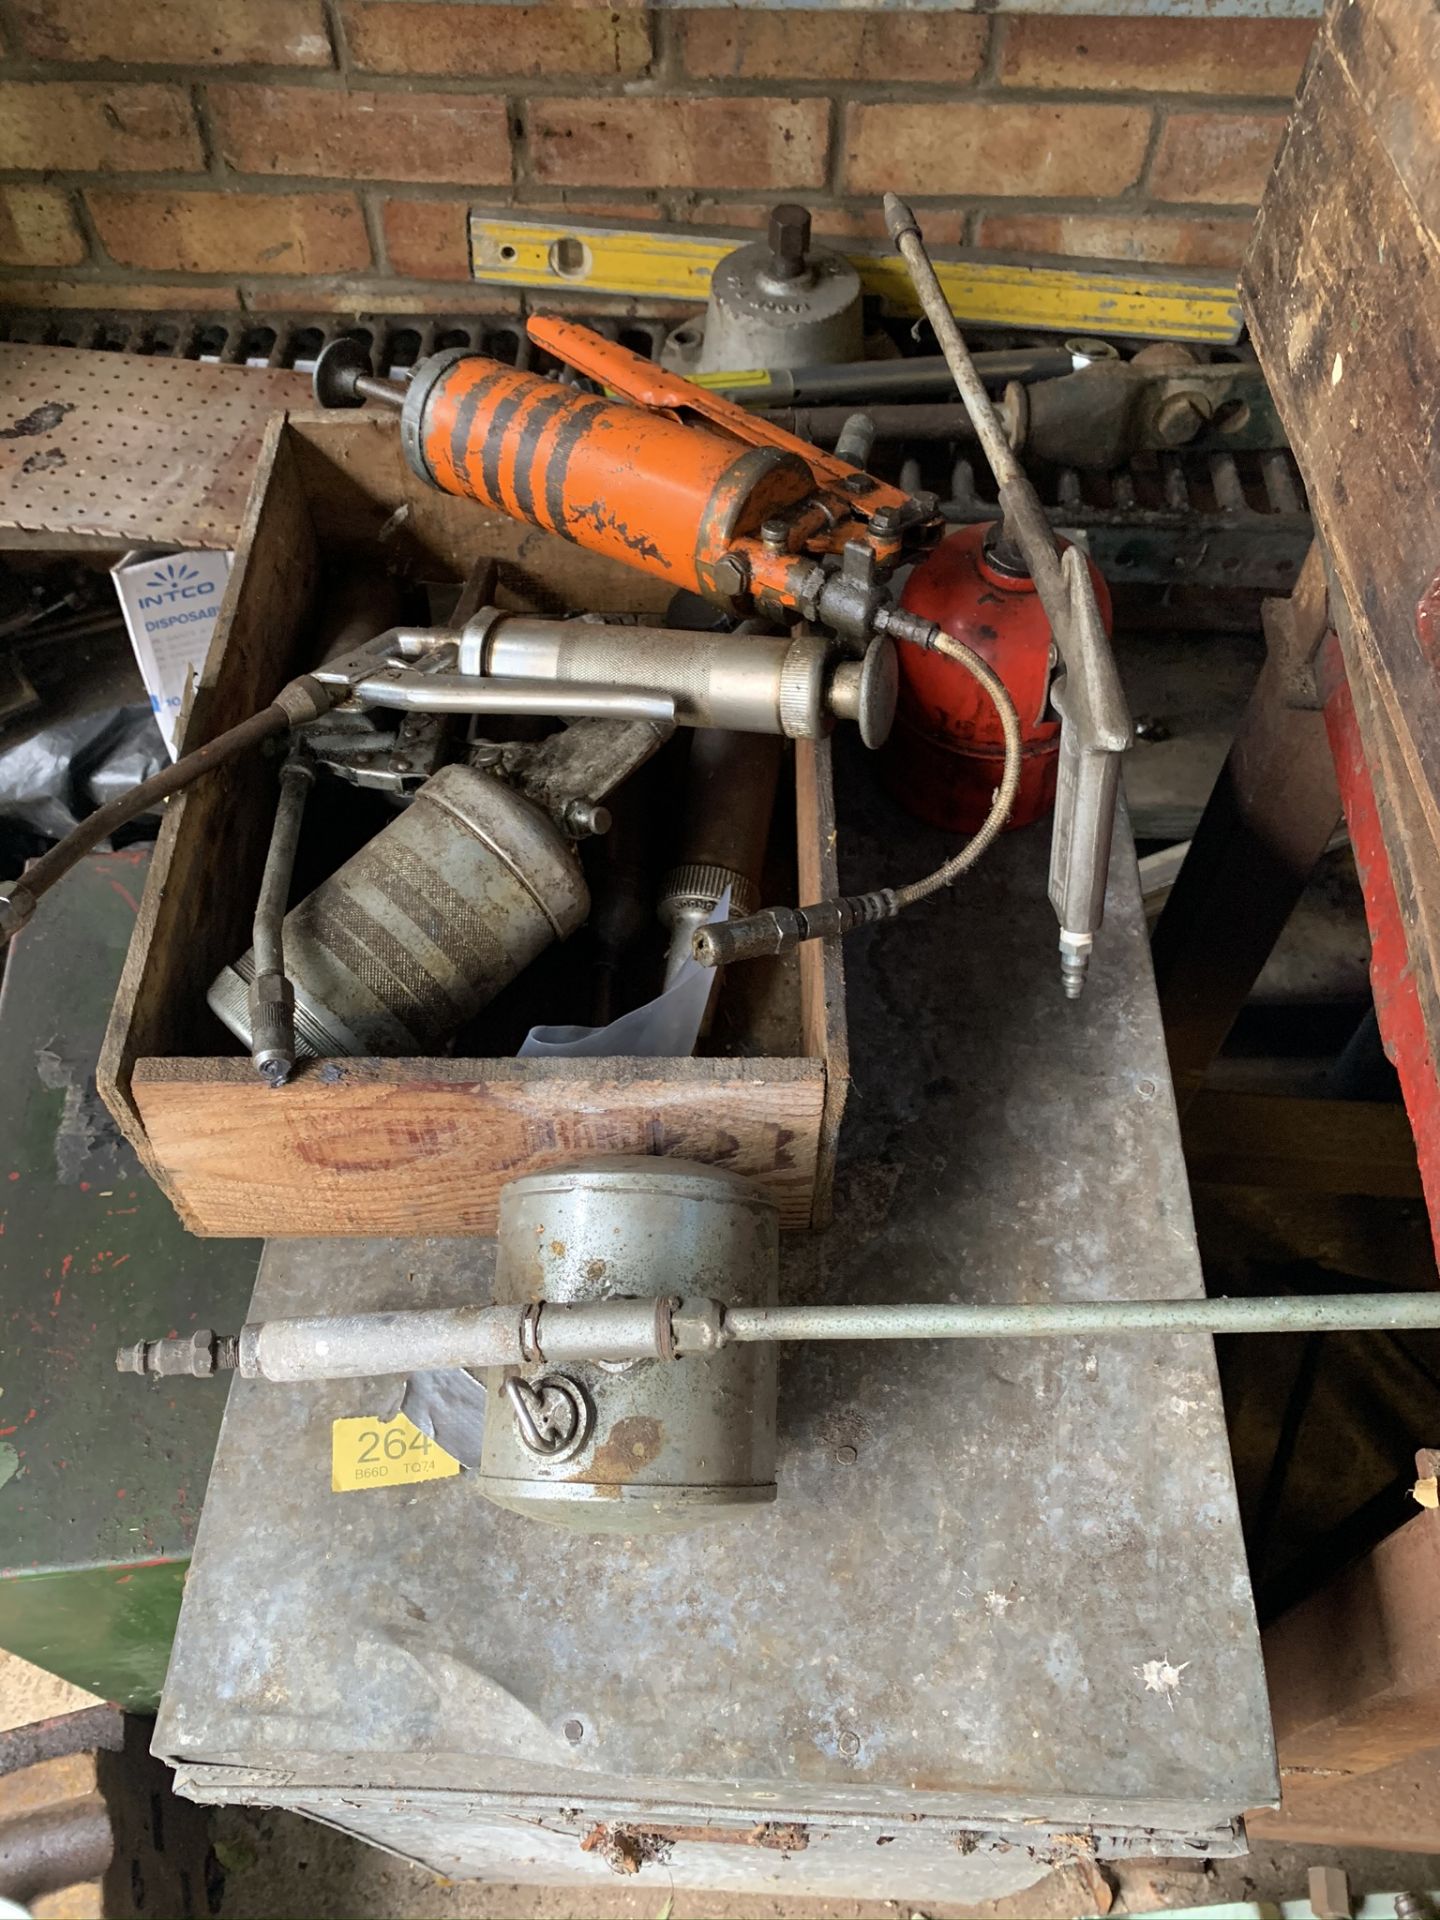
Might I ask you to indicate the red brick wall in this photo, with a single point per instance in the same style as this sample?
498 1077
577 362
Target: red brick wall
323 152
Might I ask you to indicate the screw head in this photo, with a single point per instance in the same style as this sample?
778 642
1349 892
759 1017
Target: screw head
1179 419
849 1744
574 1731
847 1456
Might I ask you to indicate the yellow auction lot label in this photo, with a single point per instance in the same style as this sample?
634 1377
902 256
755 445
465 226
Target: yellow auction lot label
385 1453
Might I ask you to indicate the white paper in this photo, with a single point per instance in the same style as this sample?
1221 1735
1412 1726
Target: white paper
171 604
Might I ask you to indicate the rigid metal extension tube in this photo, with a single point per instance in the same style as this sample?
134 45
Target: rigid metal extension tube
271 996
354 1346
303 699
1086 692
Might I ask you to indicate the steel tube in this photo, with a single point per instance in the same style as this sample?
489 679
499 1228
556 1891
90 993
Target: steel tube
61 1845
463 693
866 380
267 940
349 1346
1015 1320
742 682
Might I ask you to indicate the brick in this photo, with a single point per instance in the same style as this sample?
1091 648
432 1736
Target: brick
85 127
232 232
1222 159
1157 56
102 295
38 229
1199 242
412 36
343 135
1003 148
427 239
190 33
679 142
722 44
586 205
942 227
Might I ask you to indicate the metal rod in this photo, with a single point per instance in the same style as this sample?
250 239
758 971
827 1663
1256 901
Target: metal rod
271 996
352 1346
1025 521
385 391
468 693
267 939
1015 1320
867 380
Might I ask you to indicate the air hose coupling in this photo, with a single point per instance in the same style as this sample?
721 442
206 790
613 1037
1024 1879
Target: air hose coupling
779 929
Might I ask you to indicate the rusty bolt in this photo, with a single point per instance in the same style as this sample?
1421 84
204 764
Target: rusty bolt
789 238
729 575
849 1744
1180 418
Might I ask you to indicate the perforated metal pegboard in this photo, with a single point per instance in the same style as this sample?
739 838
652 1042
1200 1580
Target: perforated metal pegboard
117 450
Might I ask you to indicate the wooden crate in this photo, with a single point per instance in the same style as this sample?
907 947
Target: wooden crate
422 1146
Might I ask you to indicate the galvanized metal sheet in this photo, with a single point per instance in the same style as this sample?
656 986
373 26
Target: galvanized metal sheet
1001 1584
118 449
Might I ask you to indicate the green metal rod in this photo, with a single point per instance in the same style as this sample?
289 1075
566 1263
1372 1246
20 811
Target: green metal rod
1332 1313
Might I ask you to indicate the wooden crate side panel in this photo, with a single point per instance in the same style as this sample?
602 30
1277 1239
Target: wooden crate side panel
357 476
409 1148
1340 292
196 907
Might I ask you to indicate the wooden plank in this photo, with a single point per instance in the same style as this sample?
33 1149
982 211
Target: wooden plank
1397 1808
424 1146
1394 859
1269 818
1354 1671
1303 1146
197 903
1339 287
822 968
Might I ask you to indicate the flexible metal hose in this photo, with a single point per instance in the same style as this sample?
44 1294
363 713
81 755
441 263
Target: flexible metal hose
304 699
1003 803
778 929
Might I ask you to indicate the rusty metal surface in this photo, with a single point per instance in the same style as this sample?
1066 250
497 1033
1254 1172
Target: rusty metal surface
1000 1585
114 450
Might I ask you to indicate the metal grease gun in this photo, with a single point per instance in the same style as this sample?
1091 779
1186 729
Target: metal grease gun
685 485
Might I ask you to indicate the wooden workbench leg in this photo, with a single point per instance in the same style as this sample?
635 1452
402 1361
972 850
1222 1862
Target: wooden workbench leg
1270 817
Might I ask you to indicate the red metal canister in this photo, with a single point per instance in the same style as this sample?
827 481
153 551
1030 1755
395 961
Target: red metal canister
945 754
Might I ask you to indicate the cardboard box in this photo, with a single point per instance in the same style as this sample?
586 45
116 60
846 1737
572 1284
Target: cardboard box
171 602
